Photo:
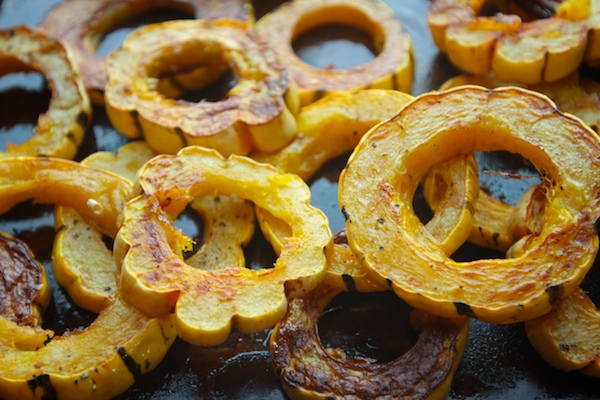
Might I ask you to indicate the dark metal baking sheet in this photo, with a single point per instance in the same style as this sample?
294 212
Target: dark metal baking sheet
499 362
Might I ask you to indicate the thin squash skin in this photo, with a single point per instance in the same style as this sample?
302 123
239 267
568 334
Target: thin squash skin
380 179
206 303
106 358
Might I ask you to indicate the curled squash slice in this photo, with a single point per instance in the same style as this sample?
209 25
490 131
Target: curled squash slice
310 370
567 337
257 112
104 359
378 184
392 67
155 276
60 130
82 24
543 50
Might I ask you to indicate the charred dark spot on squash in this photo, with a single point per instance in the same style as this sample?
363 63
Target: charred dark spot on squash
555 293
463 308
136 122
181 135
345 213
389 282
132 366
82 119
349 282
42 382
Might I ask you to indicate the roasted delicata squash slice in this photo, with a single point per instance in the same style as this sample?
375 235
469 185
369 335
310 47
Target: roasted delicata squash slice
256 114
567 337
494 222
392 67
25 292
82 263
543 50
122 343
334 125
60 130
149 247
82 24
377 187
309 370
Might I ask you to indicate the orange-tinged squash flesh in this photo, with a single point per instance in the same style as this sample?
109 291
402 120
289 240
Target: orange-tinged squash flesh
256 113
377 187
392 67
60 130
82 24
104 359
154 275
309 370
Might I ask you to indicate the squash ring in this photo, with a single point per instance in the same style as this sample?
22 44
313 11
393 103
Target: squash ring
377 186
155 277
542 50
334 125
308 370
392 68
60 130
81 24
104 359
257 113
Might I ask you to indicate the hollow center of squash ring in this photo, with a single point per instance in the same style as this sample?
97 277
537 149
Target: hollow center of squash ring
24 97
383 334
193 71
335 47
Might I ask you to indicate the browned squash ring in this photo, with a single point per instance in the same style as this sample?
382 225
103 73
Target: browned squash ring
310 371
377 187
60 130
82 24
392 68
258 113
208 302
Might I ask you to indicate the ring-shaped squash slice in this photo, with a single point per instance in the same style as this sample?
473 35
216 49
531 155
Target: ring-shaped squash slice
378 184
82 24
493 220
154 275
392 67
256 113
308 370
543 50
105 358
60 130
334 125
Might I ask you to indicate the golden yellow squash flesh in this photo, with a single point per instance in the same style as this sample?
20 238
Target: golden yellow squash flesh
81 24
154 275
257 113
530 52
392 67
59 131
105 358
377 187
